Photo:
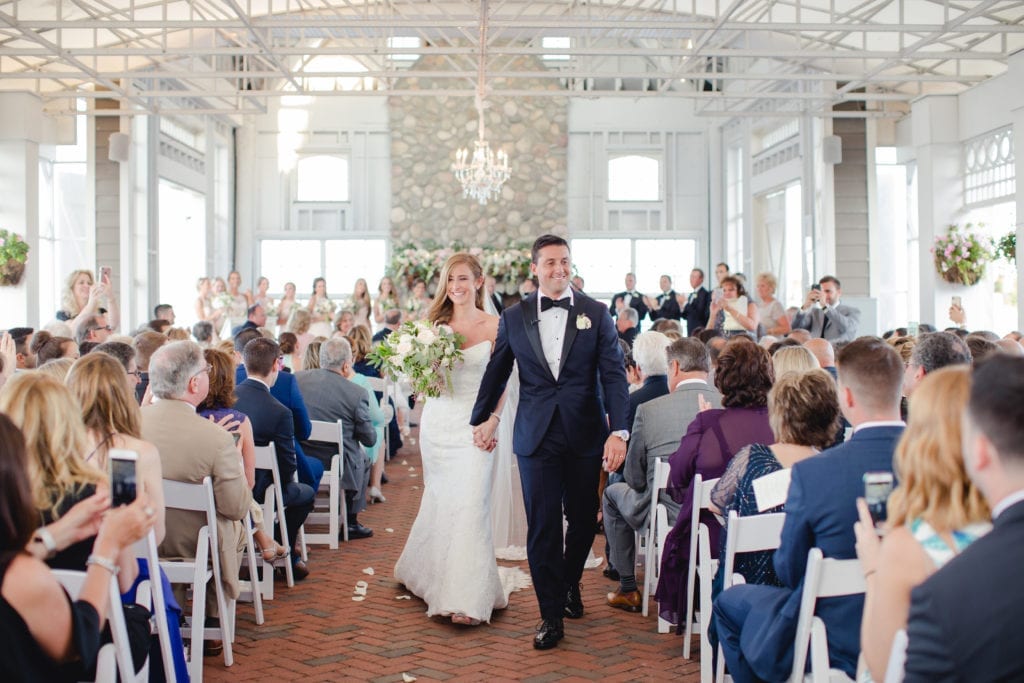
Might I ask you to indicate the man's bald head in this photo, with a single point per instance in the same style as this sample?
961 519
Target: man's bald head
823 351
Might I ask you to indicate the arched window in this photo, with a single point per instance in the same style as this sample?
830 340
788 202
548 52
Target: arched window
634 178
322 178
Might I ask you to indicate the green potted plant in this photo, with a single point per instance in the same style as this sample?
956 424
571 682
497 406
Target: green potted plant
13 254
1006 247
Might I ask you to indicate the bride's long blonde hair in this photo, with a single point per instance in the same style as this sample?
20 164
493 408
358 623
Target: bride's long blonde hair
441 307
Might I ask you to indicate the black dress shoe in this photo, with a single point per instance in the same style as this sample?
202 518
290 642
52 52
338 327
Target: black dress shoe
300 570
611 573
574 603
548 634
357 530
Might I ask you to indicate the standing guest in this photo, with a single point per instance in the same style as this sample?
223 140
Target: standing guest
82 297
577 283
666 306
756 624
933 514
240 301
491 286
965 621
697 306
321 308
360 304
288 305
824 316
733 313
204 308
145 345
630 298
272 423
743 377
527 287
262 297
419 301
773 315
164 312
387 299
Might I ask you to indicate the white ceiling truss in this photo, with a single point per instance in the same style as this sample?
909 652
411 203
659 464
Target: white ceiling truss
732 57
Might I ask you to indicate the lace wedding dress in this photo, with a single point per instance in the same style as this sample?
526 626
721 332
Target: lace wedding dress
448 560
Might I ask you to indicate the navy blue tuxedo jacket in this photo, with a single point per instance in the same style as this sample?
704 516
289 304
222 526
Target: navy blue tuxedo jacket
820 513
696 311
590 356
966 620
271 422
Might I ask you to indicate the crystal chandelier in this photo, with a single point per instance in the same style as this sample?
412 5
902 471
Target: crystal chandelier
483 173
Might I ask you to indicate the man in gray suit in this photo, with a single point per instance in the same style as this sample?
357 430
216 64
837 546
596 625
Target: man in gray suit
330 397
823 316
657 430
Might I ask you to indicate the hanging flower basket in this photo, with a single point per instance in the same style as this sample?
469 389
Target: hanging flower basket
962 255
13 254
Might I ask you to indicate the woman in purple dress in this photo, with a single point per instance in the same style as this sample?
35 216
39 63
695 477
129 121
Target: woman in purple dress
744 377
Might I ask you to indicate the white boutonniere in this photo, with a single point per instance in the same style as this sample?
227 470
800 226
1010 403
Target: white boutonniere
583 322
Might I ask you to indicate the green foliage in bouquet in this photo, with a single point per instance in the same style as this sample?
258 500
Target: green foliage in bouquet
422 353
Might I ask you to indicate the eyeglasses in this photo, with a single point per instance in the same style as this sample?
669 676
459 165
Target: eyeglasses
207 370
135 373
108 328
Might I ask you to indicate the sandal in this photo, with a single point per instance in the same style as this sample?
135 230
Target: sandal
270 554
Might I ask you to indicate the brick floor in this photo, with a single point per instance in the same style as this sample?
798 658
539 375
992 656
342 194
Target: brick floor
316 632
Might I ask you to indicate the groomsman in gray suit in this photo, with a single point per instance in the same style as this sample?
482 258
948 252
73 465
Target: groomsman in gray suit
824 317
330 397
657 430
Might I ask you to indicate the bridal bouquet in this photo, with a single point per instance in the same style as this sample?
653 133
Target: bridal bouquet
224 300
324 309
421 352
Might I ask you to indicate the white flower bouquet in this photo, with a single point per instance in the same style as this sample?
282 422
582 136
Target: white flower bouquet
224 300
422 353
324 309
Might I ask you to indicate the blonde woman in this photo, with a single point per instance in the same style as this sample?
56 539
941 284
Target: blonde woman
59 468
83 297
793 359
387 299
204 307
933 515
321 308
360 303
299 324
112 420
773 314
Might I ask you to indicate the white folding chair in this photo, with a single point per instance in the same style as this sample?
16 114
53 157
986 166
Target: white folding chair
701 501
337 507
273 512
706 568
897 658
249 591
824 578
122 651
150 594
198 571
652 555
746 535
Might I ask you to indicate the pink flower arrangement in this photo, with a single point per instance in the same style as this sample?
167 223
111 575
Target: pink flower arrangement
962 254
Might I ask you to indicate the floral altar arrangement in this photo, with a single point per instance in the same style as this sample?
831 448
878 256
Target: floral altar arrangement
962 254
509 266
13 254
422 353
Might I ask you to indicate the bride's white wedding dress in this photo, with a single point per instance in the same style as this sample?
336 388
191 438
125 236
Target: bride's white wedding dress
448 560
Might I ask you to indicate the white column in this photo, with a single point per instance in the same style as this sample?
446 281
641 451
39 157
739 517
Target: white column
21 130
1015 75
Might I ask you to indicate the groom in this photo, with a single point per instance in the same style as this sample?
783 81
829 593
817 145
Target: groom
566 345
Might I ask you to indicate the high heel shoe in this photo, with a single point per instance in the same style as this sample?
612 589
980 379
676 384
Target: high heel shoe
375 495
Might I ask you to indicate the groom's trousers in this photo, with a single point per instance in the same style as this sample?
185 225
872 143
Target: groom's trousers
556 477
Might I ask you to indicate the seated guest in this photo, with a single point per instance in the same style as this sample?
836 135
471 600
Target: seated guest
361 343
824 353
965 621
743 377
145 345
793 359
256 317
659 426
164 312
933 351
202 332
93 328
666 306
22 337
799 336
272 422
47 637
331 397
158 326
980 348
933 515
822 314
756 625
733 313
626 324
289 343
359 371
299 323
803 411
191 448
47 347
652 363
392 319
57 368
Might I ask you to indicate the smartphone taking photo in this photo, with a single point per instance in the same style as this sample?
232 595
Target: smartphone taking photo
877 487
123 476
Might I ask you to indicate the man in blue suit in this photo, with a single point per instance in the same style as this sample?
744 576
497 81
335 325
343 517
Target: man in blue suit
566 346
272 423
756 625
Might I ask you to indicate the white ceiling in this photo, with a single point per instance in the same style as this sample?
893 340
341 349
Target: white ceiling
769 57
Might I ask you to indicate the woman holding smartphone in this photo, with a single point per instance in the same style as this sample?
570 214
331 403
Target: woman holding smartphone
933 515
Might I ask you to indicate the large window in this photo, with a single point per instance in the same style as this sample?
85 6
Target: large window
603 263
182 246
634 178
341 262
734 203
321 178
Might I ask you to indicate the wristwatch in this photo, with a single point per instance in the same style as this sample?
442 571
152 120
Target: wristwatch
622 434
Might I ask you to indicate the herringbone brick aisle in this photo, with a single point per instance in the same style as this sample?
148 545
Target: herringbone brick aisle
316 632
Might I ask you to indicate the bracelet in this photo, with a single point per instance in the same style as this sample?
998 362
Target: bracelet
44 537
869 573
104 562
496 416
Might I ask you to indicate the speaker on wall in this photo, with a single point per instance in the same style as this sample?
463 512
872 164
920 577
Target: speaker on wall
832 149
119 146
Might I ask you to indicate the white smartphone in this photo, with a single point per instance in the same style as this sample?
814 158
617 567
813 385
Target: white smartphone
877 487
958 302
123 476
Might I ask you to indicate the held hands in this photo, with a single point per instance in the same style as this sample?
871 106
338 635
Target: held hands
483 434
614 453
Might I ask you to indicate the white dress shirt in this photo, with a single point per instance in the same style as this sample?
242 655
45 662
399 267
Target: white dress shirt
552 331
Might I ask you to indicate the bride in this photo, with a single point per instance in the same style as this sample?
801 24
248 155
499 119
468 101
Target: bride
449 558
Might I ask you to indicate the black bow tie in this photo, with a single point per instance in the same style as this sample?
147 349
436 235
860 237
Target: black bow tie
547 302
